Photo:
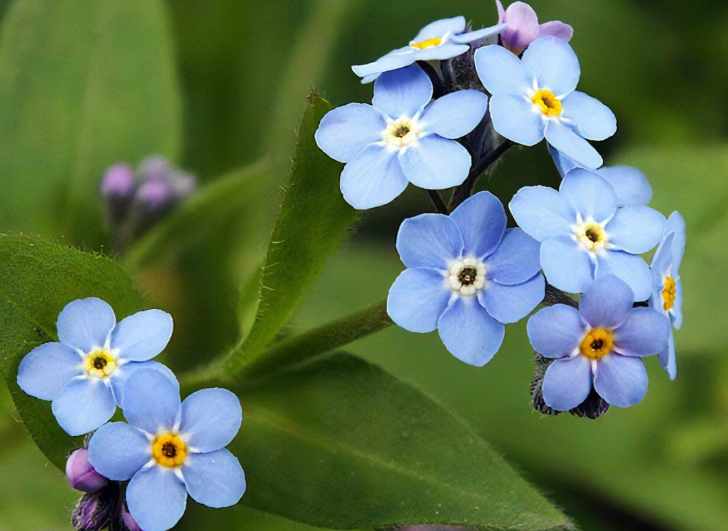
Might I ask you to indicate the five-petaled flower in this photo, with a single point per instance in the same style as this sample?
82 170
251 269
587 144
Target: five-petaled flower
401 138
169 449
599 344
585 236
467 276
523 27
85 373
535 97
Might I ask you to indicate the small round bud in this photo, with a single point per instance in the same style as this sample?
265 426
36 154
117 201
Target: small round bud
81 475
155 167
155 194
128 519
118 182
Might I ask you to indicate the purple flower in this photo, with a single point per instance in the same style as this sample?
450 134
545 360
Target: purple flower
81 474
523 27
118 181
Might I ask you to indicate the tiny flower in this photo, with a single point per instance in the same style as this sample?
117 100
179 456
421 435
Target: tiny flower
169 449
467 276
667 292
523 27
599 344
401 138
81 475
535 97
585 236
97 510
443 39
84 374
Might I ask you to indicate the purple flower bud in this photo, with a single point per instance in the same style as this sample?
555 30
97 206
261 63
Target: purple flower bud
118 181
128 519
96 511
81 475
156 167
523 27
183 184
155 194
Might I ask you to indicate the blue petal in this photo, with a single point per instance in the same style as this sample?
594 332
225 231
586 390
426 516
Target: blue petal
556 331
429 240
644 332
392 61
542 212
620 380
142 336
510 304
373 179
501 72
676 224
440 28
668 359
151 401
591 118
563 138
662 261
469 333
676 315
563 163
589 194
344 132
214 479
118 451
554 64
156 498
516 260
86 324
47 369
606 302
456 114
83 406
567 383
417 299
121 376
435 163
636 229
212 418
513 117
403 92
630 268
630 185
566 264
482 223
479 35
439 53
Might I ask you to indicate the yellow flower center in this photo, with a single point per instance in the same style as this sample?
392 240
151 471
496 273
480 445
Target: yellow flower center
169 450
591 235
429 43
597 343
668 294
100 364
549 104
402 133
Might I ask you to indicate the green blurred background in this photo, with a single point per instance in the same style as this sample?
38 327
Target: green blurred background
244 68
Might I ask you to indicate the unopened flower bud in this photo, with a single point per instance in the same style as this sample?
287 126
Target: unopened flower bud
155 167
128 519
118 181
155 195
81 474
96 511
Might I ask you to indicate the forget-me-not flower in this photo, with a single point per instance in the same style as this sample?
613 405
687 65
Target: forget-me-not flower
601 343
535 97
440 40
585 236
85 372
169 449
401 138
523 27
467 276
667 291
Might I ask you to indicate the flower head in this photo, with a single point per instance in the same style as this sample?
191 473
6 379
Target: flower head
401 138
585 236
169 449
535 97
523 27
599 344
85 372
467 276
81 475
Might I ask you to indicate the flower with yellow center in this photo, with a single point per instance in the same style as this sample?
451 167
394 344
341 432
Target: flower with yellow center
100 363
597 343
548 104
169 450
668 293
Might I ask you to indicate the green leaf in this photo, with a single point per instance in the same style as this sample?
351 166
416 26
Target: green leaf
339 443
83 85
37 279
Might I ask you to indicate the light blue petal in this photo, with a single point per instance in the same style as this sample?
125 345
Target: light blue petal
554 64
214 479
668 360
630 268
501 72
121 376
620 380
589 194
429 240
662 261
83 406
563 163
630 185
436 163
86 324
151 401
469 333
514 118
567 383
606 302
676 315
142 336
392 61
644 332
482 223
516 260
556 331
479 35
566 264
456 114
440 28
563 138
344 132
47 369
676 223
417 299
118 451
636 229
373 179
442 52
403 92
590 117
156 498
510 304
542 212
212 418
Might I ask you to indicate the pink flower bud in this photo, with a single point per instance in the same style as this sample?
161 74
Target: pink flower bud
81 475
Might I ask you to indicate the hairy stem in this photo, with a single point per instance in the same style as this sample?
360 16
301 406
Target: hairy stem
464 190
556 296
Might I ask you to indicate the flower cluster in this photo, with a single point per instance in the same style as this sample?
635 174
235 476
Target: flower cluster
444 109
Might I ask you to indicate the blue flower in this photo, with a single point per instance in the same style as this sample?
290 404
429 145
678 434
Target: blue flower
84 374
169 449
667 291
535 97
467 276
585 236
401 138
443 39
601 343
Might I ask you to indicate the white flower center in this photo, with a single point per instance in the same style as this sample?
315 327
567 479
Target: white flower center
591 235
402 132
467 276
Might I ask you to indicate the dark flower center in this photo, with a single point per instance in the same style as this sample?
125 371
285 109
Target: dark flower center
402 131
169 449
100 363
467 275
597 344
592 235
